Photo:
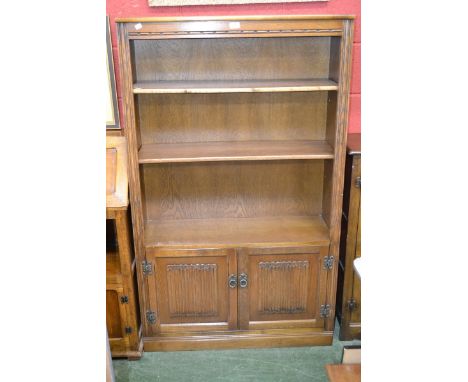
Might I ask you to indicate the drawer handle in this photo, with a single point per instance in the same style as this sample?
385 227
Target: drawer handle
243 280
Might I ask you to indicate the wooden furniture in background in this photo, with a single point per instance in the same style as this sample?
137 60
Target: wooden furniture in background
349 283
236 132
344 373
122 311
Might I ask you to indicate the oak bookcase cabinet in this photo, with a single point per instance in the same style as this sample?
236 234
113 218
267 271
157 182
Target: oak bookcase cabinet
236 132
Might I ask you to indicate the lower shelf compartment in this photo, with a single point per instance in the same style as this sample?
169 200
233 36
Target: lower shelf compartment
235 232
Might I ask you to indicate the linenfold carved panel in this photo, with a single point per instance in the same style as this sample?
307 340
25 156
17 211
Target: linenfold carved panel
283 287
192 290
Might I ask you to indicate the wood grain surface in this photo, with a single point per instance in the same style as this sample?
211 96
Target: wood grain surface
233 189
336 200
177 118
285 289
231 232
234 151
238 86
344 373
116 172
244 59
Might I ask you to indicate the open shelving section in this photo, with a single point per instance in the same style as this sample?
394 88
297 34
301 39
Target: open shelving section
236 151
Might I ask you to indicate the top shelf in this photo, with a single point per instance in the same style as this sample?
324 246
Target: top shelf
251 86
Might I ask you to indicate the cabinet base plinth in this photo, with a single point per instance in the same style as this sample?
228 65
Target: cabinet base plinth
132 355
235 341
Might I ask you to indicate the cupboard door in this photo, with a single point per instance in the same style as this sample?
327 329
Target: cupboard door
116 318
282 288
189 290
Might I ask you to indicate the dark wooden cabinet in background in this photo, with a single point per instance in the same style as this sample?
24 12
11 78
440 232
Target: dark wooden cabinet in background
349 283
236 132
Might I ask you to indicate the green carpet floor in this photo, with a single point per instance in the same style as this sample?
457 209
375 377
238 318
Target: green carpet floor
276 364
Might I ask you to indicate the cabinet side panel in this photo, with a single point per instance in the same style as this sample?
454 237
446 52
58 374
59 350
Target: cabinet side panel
126 75
339 161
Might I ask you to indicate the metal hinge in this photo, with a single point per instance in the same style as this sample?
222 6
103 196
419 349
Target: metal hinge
151 317
124 299
128 329
325 310
357 182
147 267
352 304
328 262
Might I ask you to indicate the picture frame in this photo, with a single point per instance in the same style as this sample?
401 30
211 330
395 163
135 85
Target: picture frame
112 106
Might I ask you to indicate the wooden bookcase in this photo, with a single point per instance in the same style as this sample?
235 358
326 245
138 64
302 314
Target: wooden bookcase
236 132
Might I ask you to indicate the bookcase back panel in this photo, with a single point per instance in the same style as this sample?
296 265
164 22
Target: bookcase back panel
233 189
231 59
175 118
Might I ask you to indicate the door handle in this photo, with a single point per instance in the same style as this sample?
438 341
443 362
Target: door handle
232 281
243 280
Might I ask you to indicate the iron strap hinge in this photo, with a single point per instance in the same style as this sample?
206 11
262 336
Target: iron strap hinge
325 310
151 317
357 182
124 299
147 267
328 262
352 304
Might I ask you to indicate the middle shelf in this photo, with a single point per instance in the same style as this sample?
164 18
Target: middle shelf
234 151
